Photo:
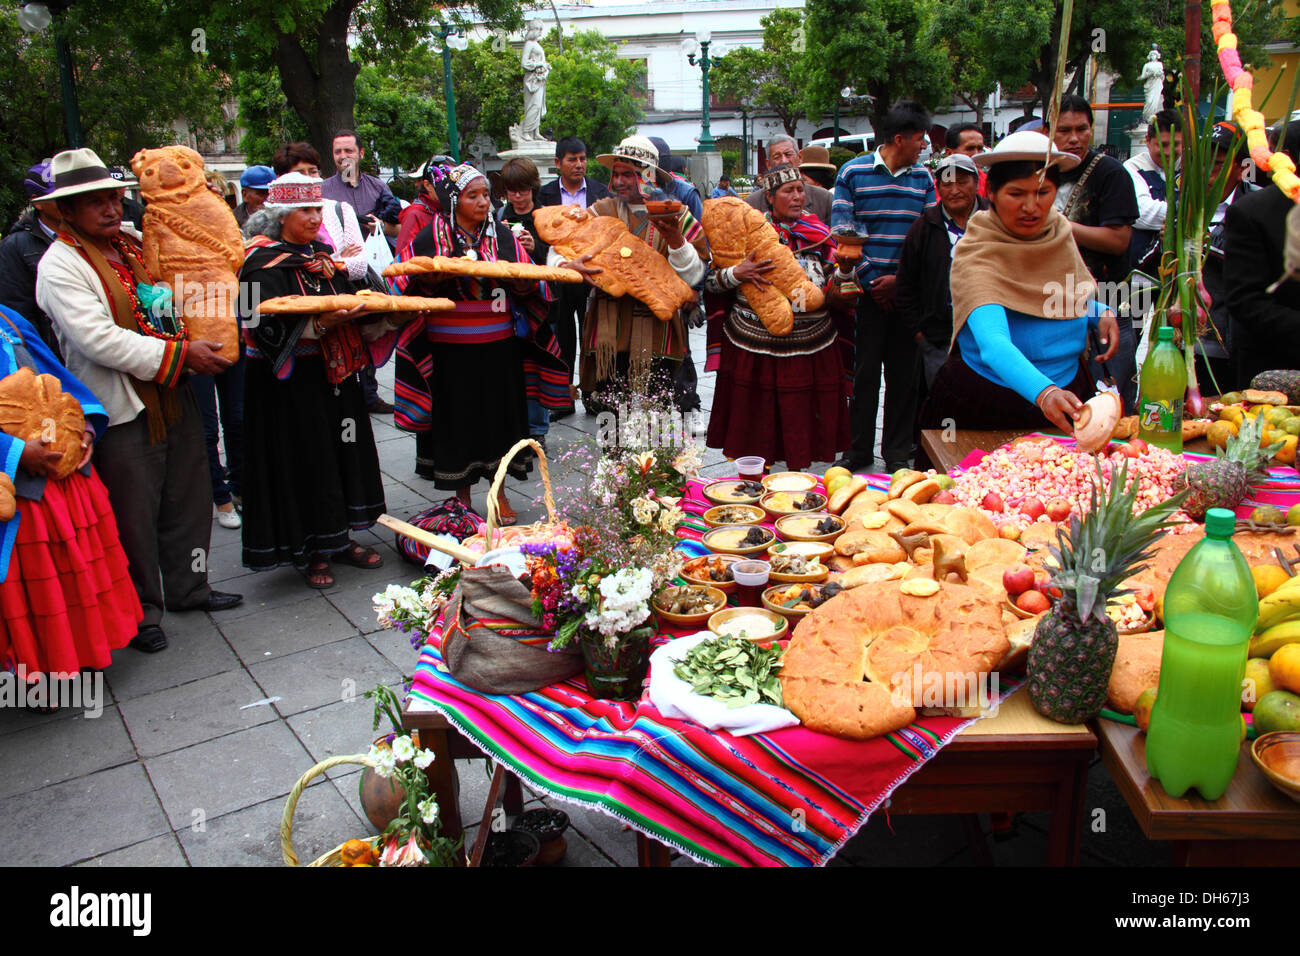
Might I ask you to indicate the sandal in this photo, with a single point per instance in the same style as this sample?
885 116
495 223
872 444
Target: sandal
359 557
318 575
505 514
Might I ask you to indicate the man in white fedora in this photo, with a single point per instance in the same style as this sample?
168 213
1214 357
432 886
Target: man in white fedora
119 337
622 335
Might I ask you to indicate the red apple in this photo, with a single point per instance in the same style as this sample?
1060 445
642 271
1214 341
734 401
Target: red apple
1033 602
1018 579
992 502
1138 447
1010 531
1146 599
1058 509
944 498
1032 509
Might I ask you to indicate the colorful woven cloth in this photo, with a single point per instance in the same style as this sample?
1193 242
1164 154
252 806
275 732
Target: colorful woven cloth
788 798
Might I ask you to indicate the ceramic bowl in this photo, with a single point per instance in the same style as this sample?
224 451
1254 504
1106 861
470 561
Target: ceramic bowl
1277 755
798 527
782 506
753 514
718 599
780 626
717 539
725 492
790 481
726 587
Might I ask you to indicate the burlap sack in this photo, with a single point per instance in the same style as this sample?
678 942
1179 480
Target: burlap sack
490 600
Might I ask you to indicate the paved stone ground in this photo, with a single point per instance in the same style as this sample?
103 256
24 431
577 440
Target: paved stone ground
191 759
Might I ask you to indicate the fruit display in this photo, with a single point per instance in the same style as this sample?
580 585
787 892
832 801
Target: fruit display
1278 424
1225 480
1075 643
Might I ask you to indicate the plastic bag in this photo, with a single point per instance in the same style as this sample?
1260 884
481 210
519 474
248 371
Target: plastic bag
379 254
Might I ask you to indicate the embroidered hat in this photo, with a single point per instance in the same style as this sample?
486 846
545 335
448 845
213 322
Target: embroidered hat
294 191
778 176
256 177
76 171
1030 145
637 150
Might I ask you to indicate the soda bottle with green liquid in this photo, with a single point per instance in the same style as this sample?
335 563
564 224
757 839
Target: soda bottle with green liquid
1210 612
1161 388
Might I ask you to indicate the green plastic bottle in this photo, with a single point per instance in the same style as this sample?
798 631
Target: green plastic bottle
1210 612
1161 388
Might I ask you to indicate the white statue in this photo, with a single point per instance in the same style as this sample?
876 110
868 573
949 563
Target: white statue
1153 84
535 71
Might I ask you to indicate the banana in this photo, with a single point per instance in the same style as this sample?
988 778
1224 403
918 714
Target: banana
1268 643
1282 605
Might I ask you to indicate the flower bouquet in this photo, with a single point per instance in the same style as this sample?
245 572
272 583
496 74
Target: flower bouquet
413 610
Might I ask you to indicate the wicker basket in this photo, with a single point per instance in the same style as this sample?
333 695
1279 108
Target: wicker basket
493 511
332 858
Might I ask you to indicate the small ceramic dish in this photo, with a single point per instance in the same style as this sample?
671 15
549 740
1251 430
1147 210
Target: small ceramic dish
804 527
733 491
717 601
731 538
777 504
720 515
750 624
790 481
694 571
1276 754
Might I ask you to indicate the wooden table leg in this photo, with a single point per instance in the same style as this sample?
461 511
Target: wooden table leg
1063 833
514 796
650 852
979 846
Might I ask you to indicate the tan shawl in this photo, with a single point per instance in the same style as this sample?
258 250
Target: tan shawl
1044 276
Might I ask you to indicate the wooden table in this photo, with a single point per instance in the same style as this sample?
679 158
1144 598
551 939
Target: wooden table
1016 761
1252 824
948 448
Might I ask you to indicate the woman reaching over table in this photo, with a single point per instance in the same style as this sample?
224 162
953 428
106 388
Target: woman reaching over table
782 397
311 468
464 377
1022 303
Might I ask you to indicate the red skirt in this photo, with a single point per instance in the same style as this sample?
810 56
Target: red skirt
68 601
792 408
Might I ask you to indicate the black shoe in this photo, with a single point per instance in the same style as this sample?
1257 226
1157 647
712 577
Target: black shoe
893 466
219 601
557 414
379 407
855 465
150 639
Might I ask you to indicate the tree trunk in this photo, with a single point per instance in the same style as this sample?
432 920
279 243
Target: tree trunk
322 93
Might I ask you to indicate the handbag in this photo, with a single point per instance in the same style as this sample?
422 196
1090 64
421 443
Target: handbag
450 517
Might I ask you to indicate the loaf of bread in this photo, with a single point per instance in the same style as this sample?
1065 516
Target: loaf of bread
446 265
736 230
629 266
192 243
371 301
1136 668
35 408
851 664
8 499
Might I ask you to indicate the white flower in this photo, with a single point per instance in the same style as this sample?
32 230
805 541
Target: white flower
403 749
645 461
428 810
624 602
382 759
580 592
423 759
669 519
688 462
643 509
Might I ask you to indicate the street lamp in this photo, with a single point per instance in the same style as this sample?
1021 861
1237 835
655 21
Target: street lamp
452 39
36 18
703 38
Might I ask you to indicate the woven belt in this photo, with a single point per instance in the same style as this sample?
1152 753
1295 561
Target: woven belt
472 322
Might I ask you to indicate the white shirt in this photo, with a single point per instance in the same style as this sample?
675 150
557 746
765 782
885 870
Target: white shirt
1151 212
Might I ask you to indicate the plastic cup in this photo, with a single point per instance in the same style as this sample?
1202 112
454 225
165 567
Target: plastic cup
751 579
751 467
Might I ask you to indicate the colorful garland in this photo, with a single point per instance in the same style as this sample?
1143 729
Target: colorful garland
1250 120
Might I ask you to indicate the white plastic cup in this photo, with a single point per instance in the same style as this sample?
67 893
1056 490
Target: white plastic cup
751 467
751 578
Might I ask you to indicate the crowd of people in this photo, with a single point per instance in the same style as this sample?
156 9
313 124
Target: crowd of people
950 301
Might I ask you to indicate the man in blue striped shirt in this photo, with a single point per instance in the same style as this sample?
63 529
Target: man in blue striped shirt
882 194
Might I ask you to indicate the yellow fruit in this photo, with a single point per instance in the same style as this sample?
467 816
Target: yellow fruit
1268 578
1277 711
1142 709
1286 454
1255 683
1263 409
835 484
1284 668
1293 516
1291 426
1268 514
1220 432
1232 413
836 470
1276 416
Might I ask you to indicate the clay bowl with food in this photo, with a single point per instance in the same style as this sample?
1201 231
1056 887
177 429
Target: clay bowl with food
819 526
662 207
790 481
793 601
720 515
739 539
778 504
796 568
711 570
688 605
1129 616
734 491
1277 755
750 624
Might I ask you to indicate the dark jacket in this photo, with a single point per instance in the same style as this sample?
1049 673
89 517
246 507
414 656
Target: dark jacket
922 297
1266 328
549 195
20 254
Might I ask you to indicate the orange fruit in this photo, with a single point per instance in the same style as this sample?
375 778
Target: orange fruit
1268 578
1284 668
355 853
1286 454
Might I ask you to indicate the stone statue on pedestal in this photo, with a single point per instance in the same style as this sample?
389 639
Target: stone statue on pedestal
1153 82
536 69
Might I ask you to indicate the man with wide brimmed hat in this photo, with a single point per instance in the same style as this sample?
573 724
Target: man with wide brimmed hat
118 336
21 251
622 335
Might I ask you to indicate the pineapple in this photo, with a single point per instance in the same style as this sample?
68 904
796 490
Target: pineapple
1279 380
1075 642
1224 482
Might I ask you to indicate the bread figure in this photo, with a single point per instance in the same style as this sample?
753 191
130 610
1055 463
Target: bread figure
736 229
448 266
192 243
35 408
630 267
8 501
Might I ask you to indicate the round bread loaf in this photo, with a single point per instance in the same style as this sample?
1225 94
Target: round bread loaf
850 664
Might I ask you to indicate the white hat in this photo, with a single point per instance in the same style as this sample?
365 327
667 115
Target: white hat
76 171
637 150
294 191
1027 144
957 161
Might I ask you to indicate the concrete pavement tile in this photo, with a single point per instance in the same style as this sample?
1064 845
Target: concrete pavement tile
16 719
227 774
170 719
195 650
581 853
264 591
251 837
79 819
340 728
160 851
83 745
614 838
286 630
395 646
323 675
356 603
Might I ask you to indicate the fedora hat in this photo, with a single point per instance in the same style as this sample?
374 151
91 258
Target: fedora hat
76 171
637 150
1025 144
817 157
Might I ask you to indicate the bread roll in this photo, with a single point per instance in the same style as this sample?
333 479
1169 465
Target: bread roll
35 407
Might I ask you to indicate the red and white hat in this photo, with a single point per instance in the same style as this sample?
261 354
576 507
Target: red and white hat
294 191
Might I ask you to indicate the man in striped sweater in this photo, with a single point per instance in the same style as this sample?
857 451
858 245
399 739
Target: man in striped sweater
882 194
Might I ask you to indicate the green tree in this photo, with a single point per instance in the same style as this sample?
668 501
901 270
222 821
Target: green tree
1255 23
265 115
591 92
877 47
770 78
